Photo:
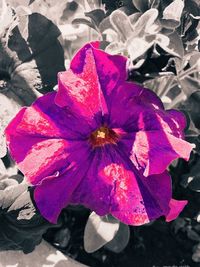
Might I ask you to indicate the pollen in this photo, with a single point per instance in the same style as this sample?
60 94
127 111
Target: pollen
103 136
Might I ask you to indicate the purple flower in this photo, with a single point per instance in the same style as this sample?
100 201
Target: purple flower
100 141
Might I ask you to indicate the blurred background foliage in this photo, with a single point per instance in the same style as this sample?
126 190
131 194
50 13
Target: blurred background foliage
161 38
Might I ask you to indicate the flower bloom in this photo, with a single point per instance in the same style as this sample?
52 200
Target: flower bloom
100 141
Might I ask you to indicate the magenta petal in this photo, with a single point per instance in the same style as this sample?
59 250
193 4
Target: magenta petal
111 69
133 101
153 151
112 186
142 201
45 119
93 74
38 157
176 206
54 192
34 140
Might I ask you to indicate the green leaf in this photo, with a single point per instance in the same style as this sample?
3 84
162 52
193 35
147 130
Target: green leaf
31 60
134 17
8 21
141 5
174 10
115 48
145 22
120 241
9 195
99 230
189 85
7 182
8 109
193 8
172 44
121 23
169 25
105 24
137 46
85 22
96 16
2 169
192 234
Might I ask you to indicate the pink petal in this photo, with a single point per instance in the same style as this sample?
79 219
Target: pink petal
176 206
142 110
153 151
38 157
45 119
54 192
113 186
111 69
36 138
93 74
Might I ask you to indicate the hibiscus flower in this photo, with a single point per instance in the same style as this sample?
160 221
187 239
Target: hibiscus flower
100 141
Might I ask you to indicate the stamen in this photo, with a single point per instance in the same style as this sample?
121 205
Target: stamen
103 136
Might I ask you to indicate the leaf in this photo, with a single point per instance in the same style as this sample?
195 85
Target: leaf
83 21
137 46
194 183
145 24
6 182
31 60
196 253
8 109
192 234
23 11
3 149
174 10
121 239
22 201
10 194
178 224
2 168
192 179
193 8
93 4
192 108
115 48
96 16
105 24
134 17
169 25
189 85
154 3
7 20
121 23
99 230
140 5
173 45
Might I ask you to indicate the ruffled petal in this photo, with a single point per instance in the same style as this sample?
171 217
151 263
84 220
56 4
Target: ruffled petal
45 119
35 140
111 69
92 76
153 151
114 186
54 192
39 157
142 110
143 201
176 206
